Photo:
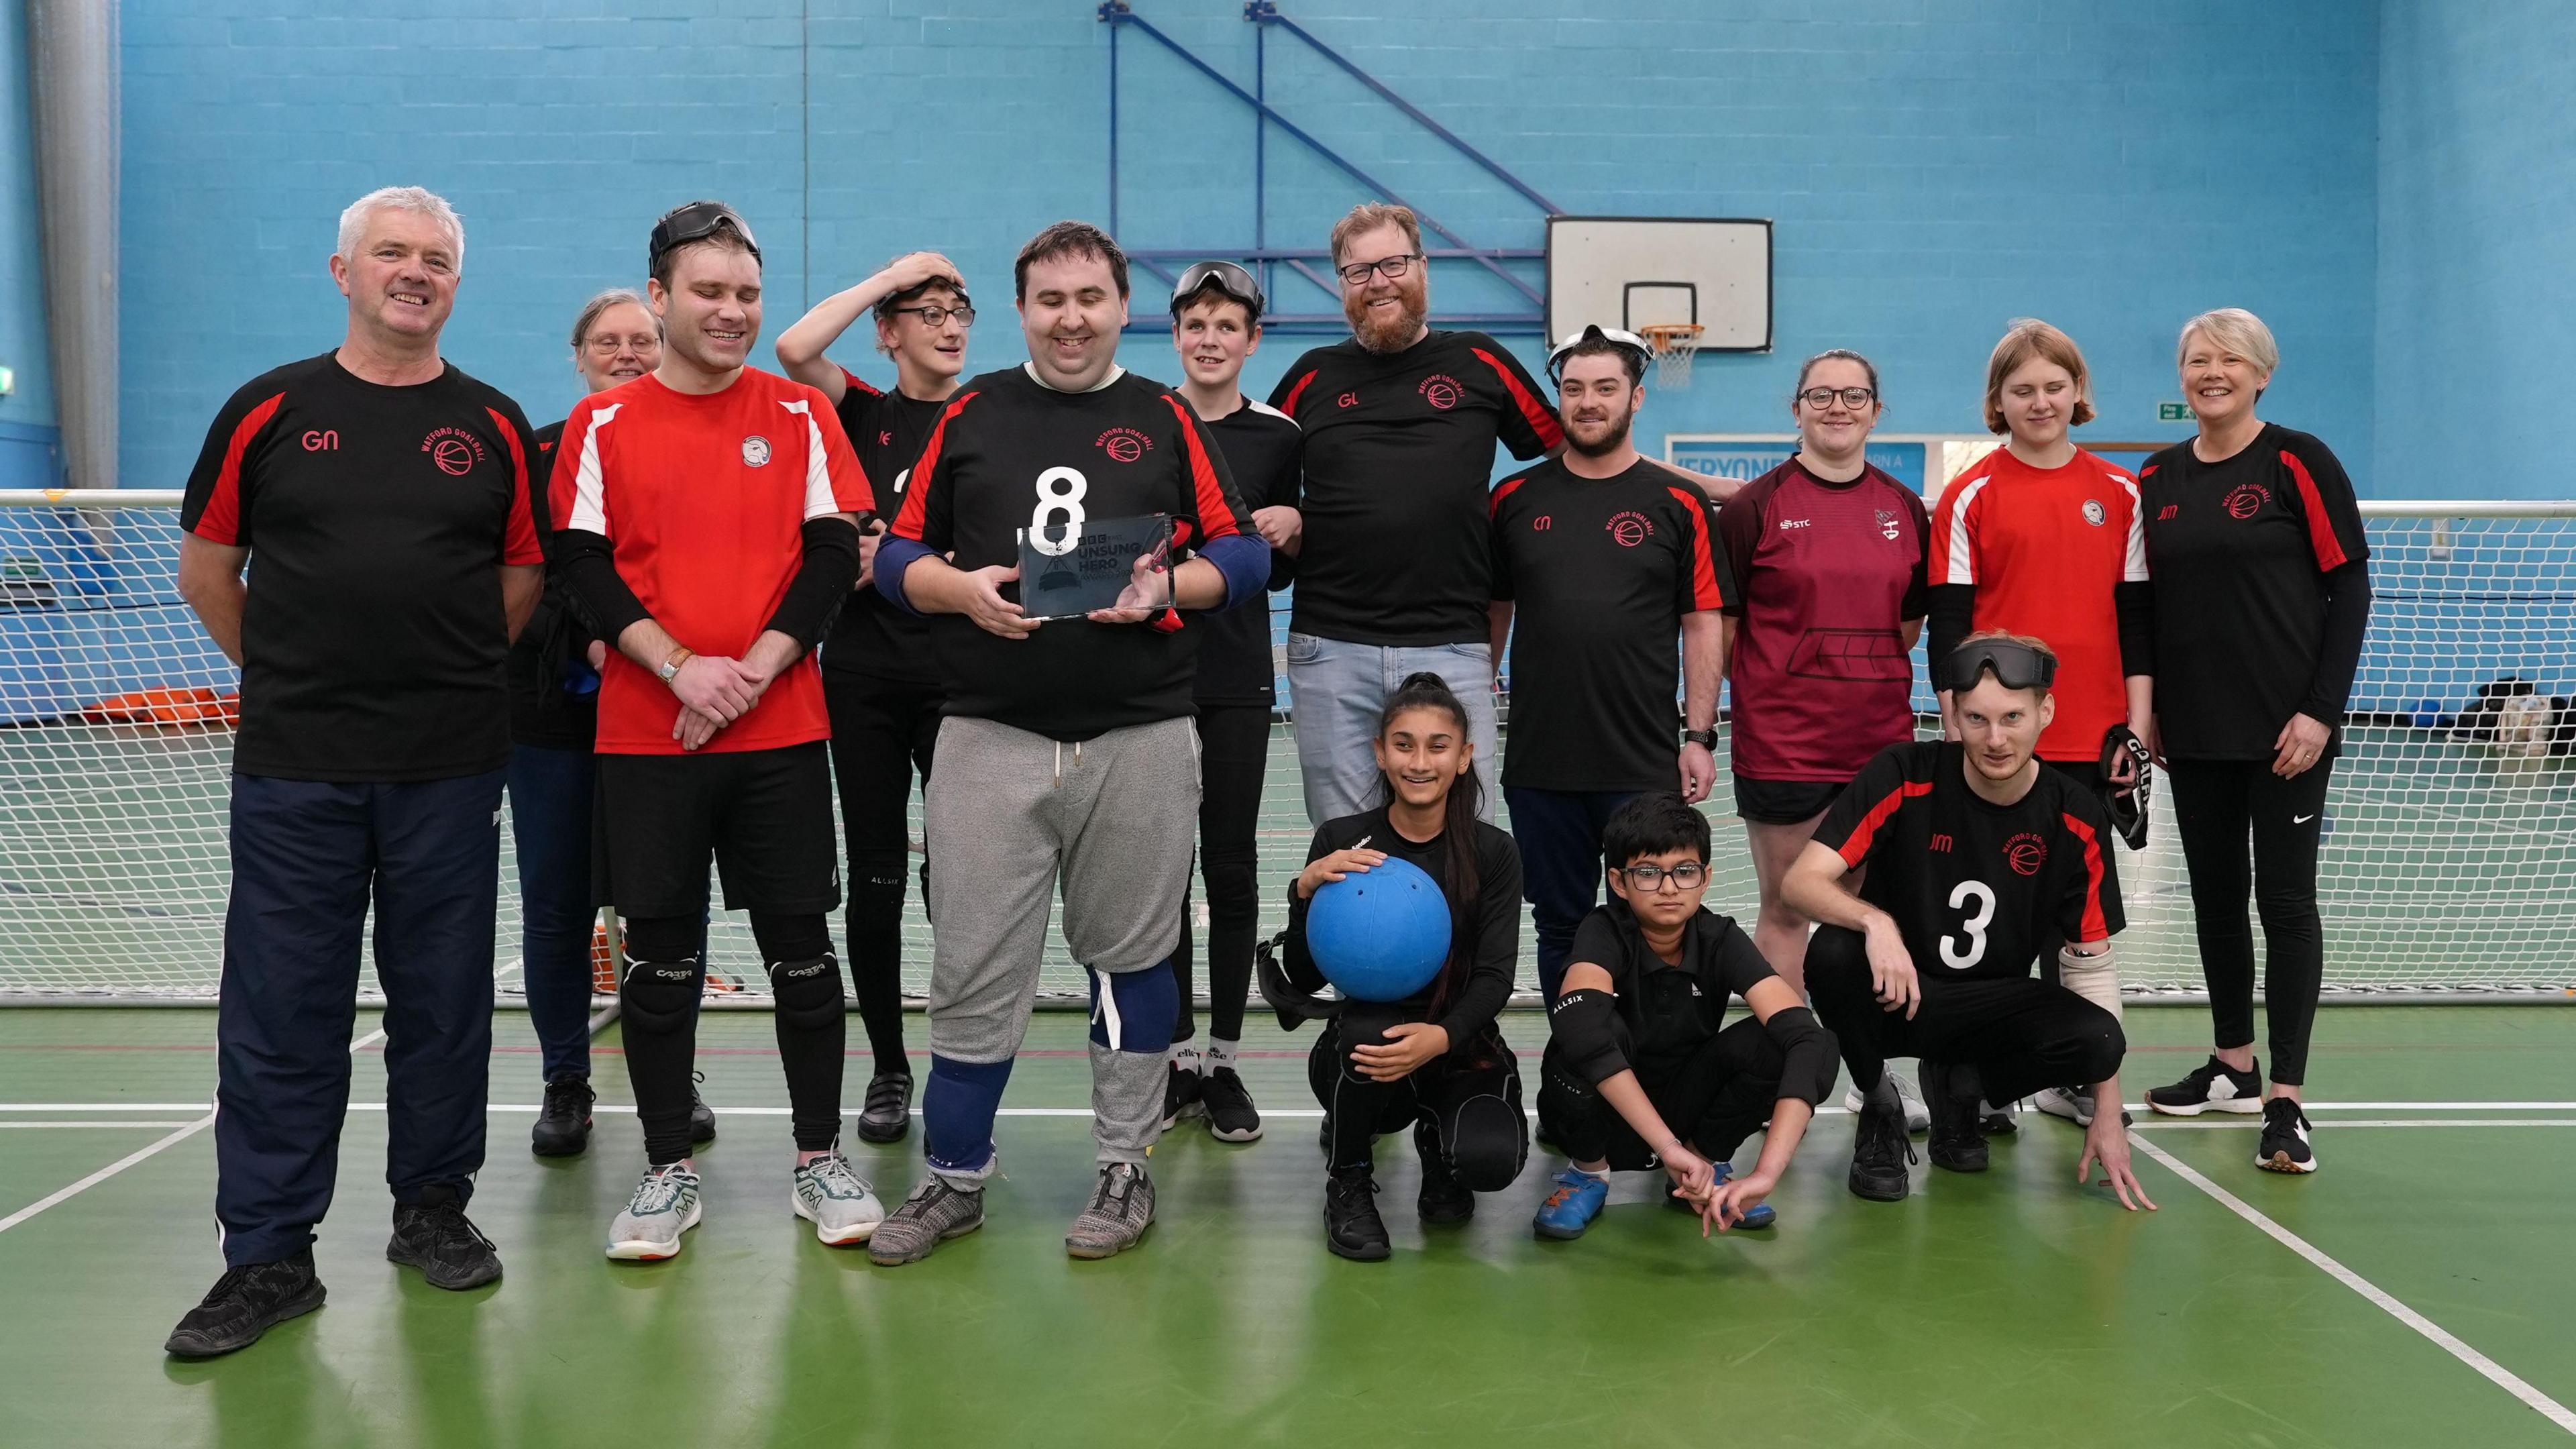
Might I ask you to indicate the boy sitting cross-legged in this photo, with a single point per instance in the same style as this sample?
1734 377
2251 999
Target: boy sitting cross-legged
1637 1073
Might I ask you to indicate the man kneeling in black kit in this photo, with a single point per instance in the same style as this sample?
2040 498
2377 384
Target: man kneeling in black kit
1637 1073
1975 855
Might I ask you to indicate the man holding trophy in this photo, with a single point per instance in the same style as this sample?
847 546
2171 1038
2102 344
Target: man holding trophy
1040 534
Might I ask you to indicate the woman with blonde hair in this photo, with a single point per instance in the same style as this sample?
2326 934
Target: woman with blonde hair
2262 593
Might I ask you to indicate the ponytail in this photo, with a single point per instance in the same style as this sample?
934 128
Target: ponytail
1458 825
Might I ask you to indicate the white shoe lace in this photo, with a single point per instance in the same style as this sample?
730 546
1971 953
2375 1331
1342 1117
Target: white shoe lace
660 1190
833 1177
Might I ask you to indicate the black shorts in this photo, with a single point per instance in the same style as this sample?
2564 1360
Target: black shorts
1783 802
765 816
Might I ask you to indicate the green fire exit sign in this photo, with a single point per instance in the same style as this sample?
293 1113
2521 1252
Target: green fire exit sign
2173 412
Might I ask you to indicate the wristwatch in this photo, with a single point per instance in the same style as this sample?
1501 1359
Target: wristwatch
669 669
1705 739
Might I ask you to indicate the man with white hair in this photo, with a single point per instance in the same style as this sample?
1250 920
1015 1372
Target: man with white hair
385 493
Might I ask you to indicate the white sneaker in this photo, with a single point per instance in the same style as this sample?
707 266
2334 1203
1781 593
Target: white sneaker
1918 1117
2074 1106
836 1200
664 1206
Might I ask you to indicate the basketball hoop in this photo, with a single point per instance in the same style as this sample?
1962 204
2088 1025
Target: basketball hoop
1674 343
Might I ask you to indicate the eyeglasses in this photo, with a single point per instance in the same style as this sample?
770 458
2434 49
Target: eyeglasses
1394 267
1821 398
936 316
1686 876
609 346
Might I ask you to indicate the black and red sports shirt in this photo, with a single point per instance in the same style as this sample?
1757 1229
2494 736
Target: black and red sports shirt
703 498
2251 557
1010 453
1977 888
1826 577
872 636
1399 461
554 693
1600 572
377 519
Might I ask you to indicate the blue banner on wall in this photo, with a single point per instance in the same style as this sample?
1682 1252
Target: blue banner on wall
1745 459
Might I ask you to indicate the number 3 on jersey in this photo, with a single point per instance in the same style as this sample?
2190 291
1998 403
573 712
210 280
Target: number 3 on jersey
1060 493
1960 958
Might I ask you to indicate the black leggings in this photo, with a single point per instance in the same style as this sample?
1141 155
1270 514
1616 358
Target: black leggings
1712 1100
1467 1113
2019 1032
658 995
882 734
1234 753
2216 803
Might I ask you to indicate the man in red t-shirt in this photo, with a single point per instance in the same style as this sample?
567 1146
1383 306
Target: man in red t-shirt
709 514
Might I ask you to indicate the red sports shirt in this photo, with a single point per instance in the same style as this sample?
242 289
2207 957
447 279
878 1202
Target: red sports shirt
704 498
2044 548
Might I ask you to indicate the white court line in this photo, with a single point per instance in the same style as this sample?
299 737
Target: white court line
142 1154
2141 1109
123 1123
2496 1373
2248 1124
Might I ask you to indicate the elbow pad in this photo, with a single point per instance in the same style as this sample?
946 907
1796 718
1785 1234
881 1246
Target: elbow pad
1811 1056
2092 977
1586 1028
587 564
822 582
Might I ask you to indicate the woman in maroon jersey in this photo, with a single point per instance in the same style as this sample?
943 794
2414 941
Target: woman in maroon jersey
1828 555
2262 593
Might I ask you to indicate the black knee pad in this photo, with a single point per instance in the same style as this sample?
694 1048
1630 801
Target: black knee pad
2102 1049
659 998
1489 1144
807 992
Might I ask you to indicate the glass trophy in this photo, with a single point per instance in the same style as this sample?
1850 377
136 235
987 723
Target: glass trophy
1069 569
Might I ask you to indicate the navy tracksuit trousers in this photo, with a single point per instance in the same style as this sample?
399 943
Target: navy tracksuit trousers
308 856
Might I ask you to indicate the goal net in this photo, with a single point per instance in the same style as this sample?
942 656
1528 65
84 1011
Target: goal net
2449 860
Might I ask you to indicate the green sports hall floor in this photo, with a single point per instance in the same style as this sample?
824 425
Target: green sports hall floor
2008 1309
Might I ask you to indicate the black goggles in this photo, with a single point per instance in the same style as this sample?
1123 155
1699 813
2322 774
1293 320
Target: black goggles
1226 277
695 222
2015 666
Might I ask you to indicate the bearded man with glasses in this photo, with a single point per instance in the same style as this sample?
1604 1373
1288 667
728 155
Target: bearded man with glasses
1400 424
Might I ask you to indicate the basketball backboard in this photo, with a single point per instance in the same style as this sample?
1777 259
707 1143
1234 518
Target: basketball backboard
1636 271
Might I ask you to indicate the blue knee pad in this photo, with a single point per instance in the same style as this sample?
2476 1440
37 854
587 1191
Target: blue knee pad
1133 1011
957 1112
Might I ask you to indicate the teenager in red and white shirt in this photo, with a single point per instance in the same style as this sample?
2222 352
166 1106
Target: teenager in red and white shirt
2041 538
708 516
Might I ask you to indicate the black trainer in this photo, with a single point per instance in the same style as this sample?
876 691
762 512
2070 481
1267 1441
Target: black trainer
435 1236
1950 1090
1880 1147
2213 1086
1443 1198
886 1115
2285 1138
247 1302
1352 1228
702 1120
1181 1087
563 1122
1230 1113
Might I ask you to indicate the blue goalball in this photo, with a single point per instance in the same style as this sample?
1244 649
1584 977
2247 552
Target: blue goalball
1379 936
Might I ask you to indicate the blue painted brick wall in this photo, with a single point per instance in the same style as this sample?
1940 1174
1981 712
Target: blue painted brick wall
2477 250
1935 166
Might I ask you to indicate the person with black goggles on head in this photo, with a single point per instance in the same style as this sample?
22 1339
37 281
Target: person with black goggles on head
881 684
1976 857
1216 326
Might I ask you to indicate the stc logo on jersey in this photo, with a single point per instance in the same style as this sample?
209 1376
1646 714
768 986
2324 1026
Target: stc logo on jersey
1441 391
2247 499
1630 529
2093 513
454 450
1124 445
2025 853
755 451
